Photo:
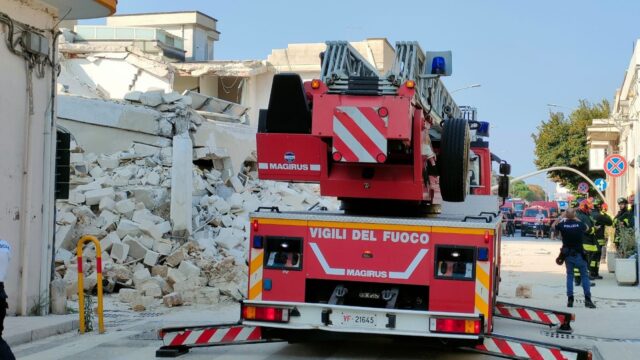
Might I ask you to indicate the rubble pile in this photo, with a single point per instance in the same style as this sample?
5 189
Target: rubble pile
124 199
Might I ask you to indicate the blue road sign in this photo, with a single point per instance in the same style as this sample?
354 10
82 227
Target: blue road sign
583 188
601 184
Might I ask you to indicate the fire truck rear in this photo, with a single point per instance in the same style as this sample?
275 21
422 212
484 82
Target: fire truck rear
415 248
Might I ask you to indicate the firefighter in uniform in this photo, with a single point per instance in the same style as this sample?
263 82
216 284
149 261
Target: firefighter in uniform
589 242
601 220
5 257
623 219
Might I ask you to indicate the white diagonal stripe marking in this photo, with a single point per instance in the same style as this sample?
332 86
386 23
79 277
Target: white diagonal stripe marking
323 262
366 126
518 350
412 267
351 142
191 339
244 333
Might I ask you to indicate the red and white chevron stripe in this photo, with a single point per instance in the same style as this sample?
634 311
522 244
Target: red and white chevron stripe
213 335
540 316
525 350
359 134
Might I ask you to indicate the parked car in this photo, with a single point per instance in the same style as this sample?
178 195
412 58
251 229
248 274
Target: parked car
528 223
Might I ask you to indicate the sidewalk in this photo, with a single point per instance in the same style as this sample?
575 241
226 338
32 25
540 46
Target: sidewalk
23 329
611 330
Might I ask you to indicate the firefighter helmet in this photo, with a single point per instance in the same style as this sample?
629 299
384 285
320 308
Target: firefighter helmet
622 201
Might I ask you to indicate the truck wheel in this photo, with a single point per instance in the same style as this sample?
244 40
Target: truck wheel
454 160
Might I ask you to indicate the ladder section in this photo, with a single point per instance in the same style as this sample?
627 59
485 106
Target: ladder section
341 61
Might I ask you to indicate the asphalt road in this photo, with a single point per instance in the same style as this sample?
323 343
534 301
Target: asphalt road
134 339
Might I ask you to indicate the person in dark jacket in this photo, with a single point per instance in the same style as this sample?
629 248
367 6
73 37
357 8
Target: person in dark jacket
572 231
623 219
601 220
589 242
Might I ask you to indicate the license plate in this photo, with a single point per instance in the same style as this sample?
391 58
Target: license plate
357 319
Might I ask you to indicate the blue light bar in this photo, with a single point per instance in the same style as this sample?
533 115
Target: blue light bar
483 254
257 242
483 129
438 66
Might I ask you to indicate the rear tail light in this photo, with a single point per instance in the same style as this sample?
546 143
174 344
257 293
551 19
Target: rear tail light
455 326
265 313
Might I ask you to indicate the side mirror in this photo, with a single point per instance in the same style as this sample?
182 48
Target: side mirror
503 186
505 168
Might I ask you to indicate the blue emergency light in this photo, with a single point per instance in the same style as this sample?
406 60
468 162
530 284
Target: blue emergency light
258 242
438 66
267 284
483 129
483 254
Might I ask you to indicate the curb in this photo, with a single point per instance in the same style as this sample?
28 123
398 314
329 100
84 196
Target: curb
41 333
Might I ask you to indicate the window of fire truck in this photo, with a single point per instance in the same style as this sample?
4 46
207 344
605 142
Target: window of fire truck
455 262
283 253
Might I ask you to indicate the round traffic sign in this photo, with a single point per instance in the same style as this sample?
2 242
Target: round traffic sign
615 165
601 184
583 188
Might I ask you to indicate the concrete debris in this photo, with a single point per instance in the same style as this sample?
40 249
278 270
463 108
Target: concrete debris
172 217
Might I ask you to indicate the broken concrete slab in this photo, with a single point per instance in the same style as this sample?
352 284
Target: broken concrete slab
119 252
182 184
151 258
93 197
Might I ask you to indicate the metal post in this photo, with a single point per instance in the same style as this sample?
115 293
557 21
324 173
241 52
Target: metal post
79 247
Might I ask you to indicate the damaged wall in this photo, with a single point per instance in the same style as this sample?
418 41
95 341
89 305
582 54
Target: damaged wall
26 202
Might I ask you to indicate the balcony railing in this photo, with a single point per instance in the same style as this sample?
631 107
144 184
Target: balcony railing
93 32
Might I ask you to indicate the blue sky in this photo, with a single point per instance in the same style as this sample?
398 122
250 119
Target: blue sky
526 54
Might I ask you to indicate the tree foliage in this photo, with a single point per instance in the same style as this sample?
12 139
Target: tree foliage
529 192
562 141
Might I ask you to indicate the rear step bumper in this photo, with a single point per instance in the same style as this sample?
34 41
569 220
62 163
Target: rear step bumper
364 320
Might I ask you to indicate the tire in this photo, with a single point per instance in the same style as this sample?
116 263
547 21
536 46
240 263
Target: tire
453 160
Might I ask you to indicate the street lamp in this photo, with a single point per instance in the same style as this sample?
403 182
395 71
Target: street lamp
467 87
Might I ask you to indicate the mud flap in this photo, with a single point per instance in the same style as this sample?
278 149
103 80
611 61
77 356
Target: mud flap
514 348
534 315
178 340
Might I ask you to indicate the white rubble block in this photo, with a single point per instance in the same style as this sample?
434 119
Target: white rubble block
150 197
136 250
164 227
152 178
108 162
171 97
128 295
107 203
176 258
63 255
108 241
146 241
93 197
182 184
119 252
144 150
142 303
64 237
66 218
186 284
151 258
234 182
162 246
125 207
144 216
207 296
128 227
96 172
173 299
222 206
240 223
107 218
152 231
95 185
90 281
164 285
151 288
76 197
189 270
229 238
152 98
175 276
235 201
140 277
133 96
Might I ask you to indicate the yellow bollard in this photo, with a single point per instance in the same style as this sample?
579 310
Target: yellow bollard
96 243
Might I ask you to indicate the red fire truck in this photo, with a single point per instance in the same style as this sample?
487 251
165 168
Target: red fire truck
414 250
